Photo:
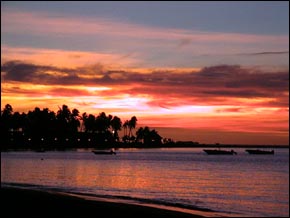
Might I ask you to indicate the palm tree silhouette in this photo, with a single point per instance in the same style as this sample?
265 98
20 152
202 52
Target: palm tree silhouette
116 125
125 126
6 118
132 124
74 120
83 118
140 134
148 137
47 128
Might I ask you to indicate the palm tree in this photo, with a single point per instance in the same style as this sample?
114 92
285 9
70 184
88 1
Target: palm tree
7 111
89 123
140 134
125 126
116 125
103 122
132 124
64 113
146 135
46 121
63 119
6 118
155 138
149 137
74 121
84 117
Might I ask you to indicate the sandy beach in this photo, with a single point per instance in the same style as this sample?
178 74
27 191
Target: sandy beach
31 203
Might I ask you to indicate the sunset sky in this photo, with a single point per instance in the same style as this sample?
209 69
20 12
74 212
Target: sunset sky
202 71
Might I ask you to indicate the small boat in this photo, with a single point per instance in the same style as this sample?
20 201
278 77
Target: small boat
219 152
104 152
258 151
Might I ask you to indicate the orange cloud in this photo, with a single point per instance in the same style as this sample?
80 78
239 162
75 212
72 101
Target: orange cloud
63 58
211 86
226 98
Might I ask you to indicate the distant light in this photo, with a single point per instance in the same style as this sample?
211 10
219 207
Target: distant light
78 139
55 139
29 139
89 140
42 139
66 139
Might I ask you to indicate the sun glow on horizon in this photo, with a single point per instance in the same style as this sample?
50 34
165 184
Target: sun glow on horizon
224 77
245 115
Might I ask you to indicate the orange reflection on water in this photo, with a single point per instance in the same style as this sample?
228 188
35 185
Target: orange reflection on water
123 176
240 182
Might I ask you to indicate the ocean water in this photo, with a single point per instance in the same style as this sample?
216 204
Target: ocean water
180 178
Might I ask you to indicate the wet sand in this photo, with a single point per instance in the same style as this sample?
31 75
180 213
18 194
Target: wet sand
30 203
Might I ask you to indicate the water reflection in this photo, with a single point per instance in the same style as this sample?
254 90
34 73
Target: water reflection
242 183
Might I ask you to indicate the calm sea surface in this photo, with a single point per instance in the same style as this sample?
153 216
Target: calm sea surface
238 185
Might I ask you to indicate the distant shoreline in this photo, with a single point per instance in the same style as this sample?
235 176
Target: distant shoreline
52 148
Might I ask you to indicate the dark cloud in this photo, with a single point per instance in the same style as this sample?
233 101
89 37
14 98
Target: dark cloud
106 79
18 71
246 93
220 71
266 53
235 78
26 72
211 83
53 91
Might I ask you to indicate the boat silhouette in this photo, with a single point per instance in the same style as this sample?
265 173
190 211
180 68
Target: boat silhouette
219 152
258 151
112 151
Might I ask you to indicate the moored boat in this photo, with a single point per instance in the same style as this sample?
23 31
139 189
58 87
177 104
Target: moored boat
104 152
219 152
258 151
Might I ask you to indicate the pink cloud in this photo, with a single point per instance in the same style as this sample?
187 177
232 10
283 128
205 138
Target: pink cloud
41 23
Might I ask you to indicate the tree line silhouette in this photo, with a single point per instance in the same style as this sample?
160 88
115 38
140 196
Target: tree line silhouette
67 128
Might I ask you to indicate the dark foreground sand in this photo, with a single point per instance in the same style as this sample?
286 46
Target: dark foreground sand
29 203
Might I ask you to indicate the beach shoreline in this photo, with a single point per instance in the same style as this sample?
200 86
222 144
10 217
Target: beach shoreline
19 202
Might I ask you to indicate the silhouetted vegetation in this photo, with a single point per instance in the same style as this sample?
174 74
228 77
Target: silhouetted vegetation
45 129
147 136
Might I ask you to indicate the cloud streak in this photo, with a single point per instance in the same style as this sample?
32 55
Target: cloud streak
226 98
266 53
154 46
64 58
25 22
210 85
